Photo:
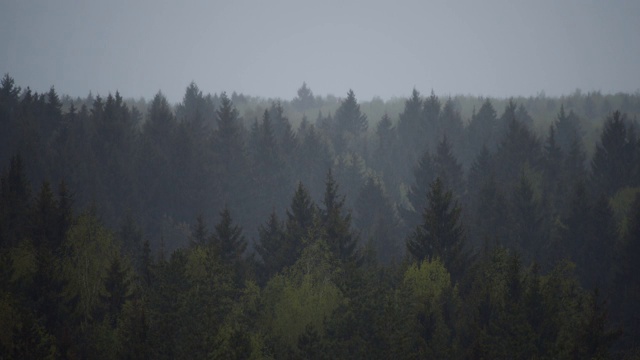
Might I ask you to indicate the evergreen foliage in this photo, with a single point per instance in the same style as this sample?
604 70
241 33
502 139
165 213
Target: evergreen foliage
515 248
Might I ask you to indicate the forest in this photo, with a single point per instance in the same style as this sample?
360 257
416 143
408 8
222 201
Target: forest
239 227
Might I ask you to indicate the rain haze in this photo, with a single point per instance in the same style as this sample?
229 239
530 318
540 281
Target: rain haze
260 48
319 180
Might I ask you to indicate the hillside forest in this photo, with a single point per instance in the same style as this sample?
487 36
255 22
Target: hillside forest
320 227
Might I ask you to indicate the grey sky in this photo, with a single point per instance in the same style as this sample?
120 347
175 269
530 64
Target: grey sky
268 48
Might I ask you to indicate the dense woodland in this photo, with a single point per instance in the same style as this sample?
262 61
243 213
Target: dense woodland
239 227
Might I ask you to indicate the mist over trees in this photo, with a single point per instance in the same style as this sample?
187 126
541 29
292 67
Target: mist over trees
231 226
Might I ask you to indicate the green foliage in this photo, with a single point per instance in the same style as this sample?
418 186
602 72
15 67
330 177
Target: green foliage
303 296
72 288
336 225
425 296
90 249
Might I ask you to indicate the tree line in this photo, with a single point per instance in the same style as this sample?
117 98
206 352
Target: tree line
191 232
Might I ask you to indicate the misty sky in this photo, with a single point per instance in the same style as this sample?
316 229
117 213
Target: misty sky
268 48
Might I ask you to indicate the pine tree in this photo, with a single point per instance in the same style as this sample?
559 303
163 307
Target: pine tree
611 167
417 194
554 177
528 237
228 239
596 252
518 149
230 153
65 211
45 219
305 99
349 118
271 246
440 235
200 233
450 122
15 201
300 218
568 130
337 226
628 278
447 167
481 129
377 222
350 124
117 285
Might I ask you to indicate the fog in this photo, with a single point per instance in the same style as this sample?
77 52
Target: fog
288 180
494 48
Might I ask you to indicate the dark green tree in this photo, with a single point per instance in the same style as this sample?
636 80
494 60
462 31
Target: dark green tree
447 167
271 247
440 235
568 129
411 131
15 192
595 257
424 174
300 218
200 233
228 239
628 278
450 122
431 109
377 221
594 337
527 235
230 153
519 148
612 165
118 289
481 129
337 223
350 124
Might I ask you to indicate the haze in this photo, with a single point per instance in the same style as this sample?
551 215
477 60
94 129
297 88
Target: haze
268 48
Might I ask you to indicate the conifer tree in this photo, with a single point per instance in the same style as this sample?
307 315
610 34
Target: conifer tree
527 236
350 124
377 222
613 163
300 218
440 235
567 128
228 239
481 129
200 233
447 167
305 99
450 122
271 246
412 131
337 226
117 286
417 194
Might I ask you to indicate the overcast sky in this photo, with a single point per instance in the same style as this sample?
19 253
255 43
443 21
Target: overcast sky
268 48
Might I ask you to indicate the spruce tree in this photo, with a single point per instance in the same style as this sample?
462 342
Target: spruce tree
337 226
417 194
440 235
300 218
271 246
228 239
447 167
117 286
612 164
